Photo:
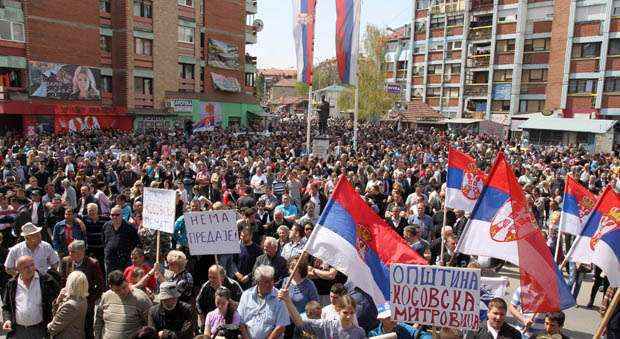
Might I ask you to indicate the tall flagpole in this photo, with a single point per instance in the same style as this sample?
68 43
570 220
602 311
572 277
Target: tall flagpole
558 243
309 114
355 116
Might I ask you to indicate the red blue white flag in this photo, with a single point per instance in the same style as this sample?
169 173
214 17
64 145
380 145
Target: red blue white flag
464 183
347 39
354 240
502 226
577 205
599 242
303 23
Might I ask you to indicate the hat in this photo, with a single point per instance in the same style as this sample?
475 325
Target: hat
57 196
29 229
168 290
36 192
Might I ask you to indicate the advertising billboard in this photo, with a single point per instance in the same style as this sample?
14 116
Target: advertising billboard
63 82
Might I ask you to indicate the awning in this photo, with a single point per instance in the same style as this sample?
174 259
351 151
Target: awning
461 121
569 125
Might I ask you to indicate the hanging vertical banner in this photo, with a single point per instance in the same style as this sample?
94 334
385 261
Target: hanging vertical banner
347 39
303 23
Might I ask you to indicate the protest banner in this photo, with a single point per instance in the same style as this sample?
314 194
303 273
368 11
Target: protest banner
434 295
212 232
159 209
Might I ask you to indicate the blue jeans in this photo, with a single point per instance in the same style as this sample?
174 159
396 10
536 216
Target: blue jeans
575 278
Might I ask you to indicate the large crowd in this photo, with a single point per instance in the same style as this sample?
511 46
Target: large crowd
79 263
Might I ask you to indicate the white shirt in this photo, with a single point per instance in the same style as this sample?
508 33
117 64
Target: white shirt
257 181
494 333
28 302
35 216
44 256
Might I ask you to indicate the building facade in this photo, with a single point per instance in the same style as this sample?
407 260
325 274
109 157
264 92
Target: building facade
494 59
74 65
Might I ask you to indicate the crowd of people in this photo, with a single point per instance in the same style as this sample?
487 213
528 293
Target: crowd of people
79 263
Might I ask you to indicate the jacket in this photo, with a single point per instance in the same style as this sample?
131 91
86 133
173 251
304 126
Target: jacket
93 272
180 320
506 332
69 319
117 318
49 292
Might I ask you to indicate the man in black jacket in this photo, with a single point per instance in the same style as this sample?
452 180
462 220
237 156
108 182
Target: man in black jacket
496 326
29 288
120 239
172 314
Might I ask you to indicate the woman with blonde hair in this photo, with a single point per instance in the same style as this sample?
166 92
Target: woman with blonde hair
70 309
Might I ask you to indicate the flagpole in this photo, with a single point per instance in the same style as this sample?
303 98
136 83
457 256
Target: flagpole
302 258
558 243
309 113
443 239
608 314
355 116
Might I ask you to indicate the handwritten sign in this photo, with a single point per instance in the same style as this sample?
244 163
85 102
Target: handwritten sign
159 209
212 232
437 296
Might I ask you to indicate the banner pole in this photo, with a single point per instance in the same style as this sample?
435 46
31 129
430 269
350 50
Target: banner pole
558 243
302 258
157 247
309 113
356 116
443 238
610 311
216 261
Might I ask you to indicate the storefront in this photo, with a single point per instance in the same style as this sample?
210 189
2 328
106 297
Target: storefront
593 134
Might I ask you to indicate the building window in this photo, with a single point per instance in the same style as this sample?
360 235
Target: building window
436 46
105 43
614 47
582 86
249 79
616 10
505 46
12 31
435 69
502 75
186 71
451 92
142 9
454 45
422 4
202 73
104 6
420 26
587 50
419 49
612 85
202 39
455 69
500 105
143 46
437 22
455 20
106 83
11 77
536 45
529 106
186 34
188 3
534 75
418 71
143 86
433 92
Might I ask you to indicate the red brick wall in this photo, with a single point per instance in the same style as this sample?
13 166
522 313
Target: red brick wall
122 54
559 33
614 25
455 30
587 65
542 26
504 58
587 28
577 102
432 56
63 31
613 63
508 28
610 101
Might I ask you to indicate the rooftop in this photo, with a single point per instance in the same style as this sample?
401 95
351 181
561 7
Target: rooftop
569 124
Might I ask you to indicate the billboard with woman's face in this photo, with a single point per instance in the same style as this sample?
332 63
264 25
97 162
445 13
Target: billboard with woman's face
65 82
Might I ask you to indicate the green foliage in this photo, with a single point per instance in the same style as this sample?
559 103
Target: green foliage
302 89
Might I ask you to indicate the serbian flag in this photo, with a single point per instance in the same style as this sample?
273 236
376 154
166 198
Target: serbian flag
347 39
599 242
502 226
354 240
577 206
304 17
464 183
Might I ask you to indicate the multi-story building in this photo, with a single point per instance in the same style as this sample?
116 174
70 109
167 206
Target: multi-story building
125 63
494 59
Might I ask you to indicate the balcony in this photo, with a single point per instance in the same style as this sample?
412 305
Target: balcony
186 85
448 7
250 64
480 33
476 90
481 5
251 6
250 35
533 88
478 61
143 100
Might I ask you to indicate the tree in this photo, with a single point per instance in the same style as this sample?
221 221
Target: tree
374 101
260 88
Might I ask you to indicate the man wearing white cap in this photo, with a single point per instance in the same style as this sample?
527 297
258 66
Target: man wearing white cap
45 258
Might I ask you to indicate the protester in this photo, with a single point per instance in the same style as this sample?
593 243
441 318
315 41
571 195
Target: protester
554 322
270 257
119 239
122 310
171 313
496 326
205 302
225 314
71 309
177 273
44 256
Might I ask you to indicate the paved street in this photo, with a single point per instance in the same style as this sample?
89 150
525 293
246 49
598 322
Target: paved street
581 323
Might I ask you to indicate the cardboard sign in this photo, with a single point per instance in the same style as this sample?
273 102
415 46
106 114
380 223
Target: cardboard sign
320 148
159 209
434 295
212 232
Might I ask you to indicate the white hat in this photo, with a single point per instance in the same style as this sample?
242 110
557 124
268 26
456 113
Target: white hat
30 229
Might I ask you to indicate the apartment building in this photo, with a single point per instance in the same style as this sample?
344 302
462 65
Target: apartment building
495 59
74 65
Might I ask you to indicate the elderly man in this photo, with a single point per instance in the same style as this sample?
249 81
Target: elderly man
205 302
45 258
78 261
28 301
172 314
120 239
70 195
288 208
272 258
263 315
94 223
122 310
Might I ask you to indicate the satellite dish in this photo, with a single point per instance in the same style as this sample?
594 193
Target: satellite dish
258 25
547 113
